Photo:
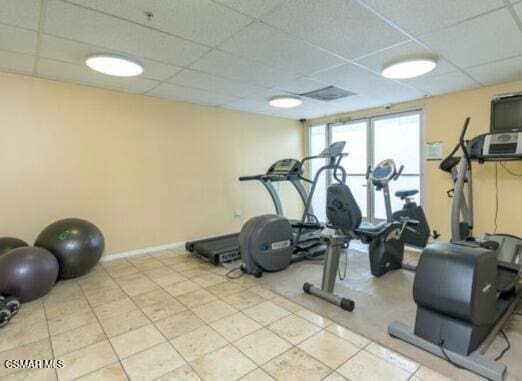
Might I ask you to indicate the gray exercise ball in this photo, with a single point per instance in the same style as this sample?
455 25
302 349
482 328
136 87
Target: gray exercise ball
27 273
76 243
10 243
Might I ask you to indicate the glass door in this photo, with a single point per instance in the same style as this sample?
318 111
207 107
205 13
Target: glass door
355 134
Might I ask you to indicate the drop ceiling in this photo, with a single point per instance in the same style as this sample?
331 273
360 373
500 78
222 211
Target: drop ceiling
235 54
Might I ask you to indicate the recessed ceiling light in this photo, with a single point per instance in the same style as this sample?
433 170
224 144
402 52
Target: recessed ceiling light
285 101
409 68
114 65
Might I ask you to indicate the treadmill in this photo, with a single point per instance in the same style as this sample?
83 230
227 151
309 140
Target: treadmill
225 248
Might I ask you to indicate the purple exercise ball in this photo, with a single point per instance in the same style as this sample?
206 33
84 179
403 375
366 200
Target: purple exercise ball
27 273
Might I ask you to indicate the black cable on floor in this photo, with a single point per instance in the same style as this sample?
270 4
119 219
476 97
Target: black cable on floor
441 345
508 346
229 276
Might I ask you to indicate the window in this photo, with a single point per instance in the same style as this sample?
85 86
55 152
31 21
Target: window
369 141
317 143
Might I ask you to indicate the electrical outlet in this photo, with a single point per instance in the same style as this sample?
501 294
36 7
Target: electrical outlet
238 213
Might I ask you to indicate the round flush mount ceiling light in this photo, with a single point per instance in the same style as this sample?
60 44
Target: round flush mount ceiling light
409 68
285 101
114 65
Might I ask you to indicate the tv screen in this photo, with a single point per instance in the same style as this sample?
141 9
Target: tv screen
506 114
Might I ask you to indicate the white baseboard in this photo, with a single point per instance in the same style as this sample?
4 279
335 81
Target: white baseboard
147 250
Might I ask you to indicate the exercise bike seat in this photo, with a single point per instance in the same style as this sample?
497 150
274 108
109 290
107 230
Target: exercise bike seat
406 193
369 230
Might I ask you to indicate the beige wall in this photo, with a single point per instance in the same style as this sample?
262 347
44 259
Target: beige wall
146 171
444 116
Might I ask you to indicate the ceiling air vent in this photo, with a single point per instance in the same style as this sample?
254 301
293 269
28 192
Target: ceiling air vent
327 94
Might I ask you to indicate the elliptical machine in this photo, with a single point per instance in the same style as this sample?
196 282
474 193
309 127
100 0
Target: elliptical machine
466 290
272 242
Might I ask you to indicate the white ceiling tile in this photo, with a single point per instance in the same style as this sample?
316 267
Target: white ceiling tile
80 24
254 8
422 16
377 61
301 85
362 82
257 103
22 13
263 43
67 72
484 39
76 52
226 65
187 94
213 84
441 84
202 21
343 27
16 62
498 72
17 39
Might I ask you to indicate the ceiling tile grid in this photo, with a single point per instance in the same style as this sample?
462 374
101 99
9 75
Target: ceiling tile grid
238 53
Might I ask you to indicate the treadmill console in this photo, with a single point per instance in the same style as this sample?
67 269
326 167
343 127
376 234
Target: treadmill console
285 167
497 146
333 150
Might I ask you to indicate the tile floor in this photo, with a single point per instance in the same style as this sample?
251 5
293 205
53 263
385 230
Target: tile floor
170 316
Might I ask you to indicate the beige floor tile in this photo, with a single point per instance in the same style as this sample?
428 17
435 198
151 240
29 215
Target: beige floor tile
394 358
314 318
198 343
226 363
213 311
184 373
244 299
296 365
149 265
348 335
208 279
98 284
36 350
164 276
112 372
181 288
122 271
266 313
45 374
196 298
426 374
66 308
18 333
365 366
247 282
185 266
224 289
329 349
335 377
263 292
175 261
77 338
86 360
109 310
163 309
151 297
153 362
179 324
136 341
219 270
262 345
286 304
294 329
257 375
125 322
105 295
198 271
31 311
136 284
235 326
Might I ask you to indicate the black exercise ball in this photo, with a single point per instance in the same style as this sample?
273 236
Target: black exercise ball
27 273
10 243
76 243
